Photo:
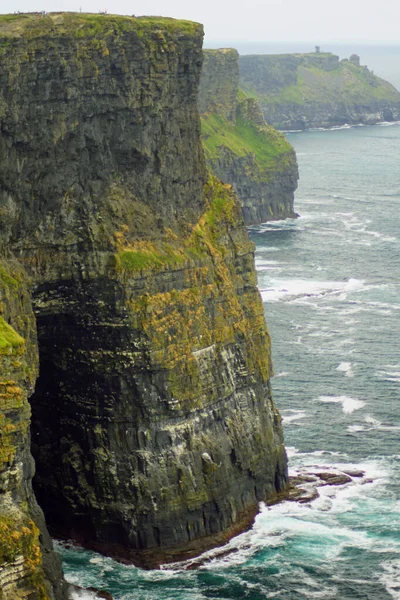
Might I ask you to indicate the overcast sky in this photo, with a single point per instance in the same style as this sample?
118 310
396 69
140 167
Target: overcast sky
316 21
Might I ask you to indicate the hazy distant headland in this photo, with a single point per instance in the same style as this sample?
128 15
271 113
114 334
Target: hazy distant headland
317 89
383 59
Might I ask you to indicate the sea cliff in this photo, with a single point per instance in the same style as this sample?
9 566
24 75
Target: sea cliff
240 148
300 91
28 565
153 427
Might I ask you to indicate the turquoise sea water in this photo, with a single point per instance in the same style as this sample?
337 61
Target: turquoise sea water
330 283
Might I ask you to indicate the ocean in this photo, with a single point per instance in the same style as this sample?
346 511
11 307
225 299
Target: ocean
330 283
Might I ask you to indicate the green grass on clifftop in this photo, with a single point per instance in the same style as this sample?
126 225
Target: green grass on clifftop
77 25
242 138
345 83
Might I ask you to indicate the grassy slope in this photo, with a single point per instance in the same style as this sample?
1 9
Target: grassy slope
347 83
243 138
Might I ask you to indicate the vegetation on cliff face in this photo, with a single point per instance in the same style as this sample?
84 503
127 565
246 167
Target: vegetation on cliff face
21 557
178 323
239 146
9 338
318 88
244 138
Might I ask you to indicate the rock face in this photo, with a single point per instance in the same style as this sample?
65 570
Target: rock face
299 91
241 149
28 566
154 431
219 83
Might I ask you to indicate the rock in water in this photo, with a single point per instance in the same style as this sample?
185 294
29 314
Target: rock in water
154 431
240 148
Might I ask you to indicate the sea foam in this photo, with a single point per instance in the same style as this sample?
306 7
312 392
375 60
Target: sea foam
349 404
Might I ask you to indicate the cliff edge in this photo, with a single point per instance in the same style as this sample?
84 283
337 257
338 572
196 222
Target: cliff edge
300 91
154 430
240 148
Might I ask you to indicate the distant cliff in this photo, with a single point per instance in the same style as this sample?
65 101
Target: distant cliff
240 147
299 91
153 427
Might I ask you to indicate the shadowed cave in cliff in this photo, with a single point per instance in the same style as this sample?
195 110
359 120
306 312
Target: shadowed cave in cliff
93 438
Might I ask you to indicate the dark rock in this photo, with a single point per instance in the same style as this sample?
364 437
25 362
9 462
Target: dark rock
302 495
27 560
354 473
100 593
334 478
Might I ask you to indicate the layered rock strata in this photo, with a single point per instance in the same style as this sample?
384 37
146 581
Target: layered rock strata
154 431
300 91
28 566
241 149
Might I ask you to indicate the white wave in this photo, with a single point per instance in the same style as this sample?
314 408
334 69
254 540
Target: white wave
359 243
371 425
282 374
393 376
390 577
303 458
261 269
297 414
83 595
388 123
263 261
346 368
334 127
349 404
355 428
351 310
339 197
292 289
372 421
291 451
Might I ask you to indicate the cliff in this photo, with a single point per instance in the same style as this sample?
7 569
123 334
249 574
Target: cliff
299 91
154 431
28 566
240 148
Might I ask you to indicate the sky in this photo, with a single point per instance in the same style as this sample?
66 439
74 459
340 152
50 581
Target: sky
314 21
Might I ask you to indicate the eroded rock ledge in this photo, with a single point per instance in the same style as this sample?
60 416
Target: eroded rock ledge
153 427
